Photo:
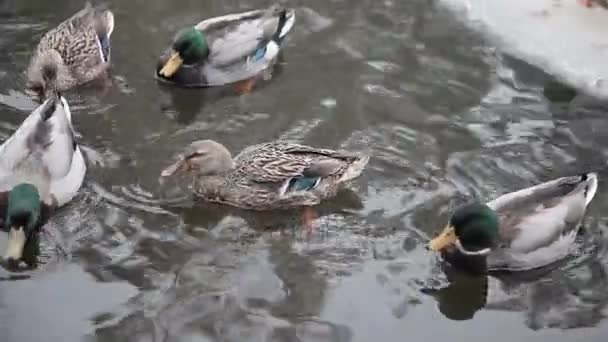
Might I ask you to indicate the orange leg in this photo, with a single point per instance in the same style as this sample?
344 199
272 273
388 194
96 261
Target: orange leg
309 216
245 86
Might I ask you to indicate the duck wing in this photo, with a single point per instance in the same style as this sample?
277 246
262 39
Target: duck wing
291 167
538 216
235 37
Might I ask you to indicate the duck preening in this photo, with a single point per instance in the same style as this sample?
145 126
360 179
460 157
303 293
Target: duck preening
78 48
41 169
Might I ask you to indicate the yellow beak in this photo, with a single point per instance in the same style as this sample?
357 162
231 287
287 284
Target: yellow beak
16 243
174 62
445 239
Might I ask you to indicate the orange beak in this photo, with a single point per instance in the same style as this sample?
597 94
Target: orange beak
171 66
445 239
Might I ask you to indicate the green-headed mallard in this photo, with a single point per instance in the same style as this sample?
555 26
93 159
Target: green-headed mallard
272 175
41 168
522 230
79 48
226 49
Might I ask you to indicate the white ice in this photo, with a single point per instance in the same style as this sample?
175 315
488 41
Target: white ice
562 37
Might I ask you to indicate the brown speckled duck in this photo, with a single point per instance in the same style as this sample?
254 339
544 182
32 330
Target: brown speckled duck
78 48
272 175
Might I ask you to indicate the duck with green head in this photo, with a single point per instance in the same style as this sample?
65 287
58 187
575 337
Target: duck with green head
23 218
519 231
41 169
227 49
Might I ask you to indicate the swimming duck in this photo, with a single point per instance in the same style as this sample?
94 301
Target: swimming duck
272 175
41 168
226 49
518 231
79 48
590 3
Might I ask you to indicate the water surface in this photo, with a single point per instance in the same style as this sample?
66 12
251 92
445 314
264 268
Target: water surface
446 116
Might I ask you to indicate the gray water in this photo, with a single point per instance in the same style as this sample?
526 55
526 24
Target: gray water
446 116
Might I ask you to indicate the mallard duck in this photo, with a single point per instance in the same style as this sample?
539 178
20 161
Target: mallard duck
79 48
226 49
590 3
41 168
519 231
272 175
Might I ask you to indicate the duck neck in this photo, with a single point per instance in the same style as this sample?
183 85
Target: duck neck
472 264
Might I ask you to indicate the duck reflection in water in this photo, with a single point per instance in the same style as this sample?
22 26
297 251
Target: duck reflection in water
183 104
561 295
212 215
463 297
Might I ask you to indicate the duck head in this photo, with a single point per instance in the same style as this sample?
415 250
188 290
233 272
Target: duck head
189 47
206 157
472 229
23 214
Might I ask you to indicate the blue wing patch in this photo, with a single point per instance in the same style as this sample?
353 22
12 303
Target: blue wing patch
259 53
302 183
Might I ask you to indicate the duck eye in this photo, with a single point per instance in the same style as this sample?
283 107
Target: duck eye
196 154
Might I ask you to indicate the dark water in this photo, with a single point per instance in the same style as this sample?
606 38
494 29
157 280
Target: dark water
445 116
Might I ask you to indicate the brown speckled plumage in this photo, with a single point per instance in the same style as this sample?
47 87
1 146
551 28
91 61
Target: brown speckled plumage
266 176
78 48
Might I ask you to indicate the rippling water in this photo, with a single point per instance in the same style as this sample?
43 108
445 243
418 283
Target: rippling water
446 117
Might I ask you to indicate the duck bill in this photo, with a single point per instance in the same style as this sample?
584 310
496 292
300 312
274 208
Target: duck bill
16 244
179 166
446 239
171 66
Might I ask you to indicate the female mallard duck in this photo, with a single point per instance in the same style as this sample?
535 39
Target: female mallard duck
79 48
271 175
41 168
519 231
226 49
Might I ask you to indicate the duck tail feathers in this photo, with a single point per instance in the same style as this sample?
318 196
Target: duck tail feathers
356 167
49 107
591 179
286 20
104 20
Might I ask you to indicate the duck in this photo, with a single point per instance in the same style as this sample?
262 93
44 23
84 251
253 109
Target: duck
268 176
41 169
79 48
229 49
591 3
519 231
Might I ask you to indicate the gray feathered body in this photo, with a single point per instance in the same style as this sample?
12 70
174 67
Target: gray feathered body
240 46
539 224
44 153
